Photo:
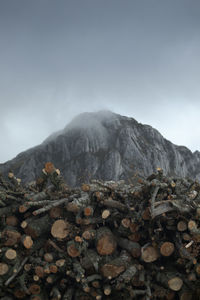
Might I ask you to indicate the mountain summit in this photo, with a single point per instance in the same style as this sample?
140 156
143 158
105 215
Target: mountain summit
106 146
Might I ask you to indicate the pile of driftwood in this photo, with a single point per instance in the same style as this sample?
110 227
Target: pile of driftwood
105 240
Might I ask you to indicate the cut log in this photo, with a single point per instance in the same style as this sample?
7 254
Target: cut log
182 226
34 289
125 222
88 211
167 249
73 249
192 225
53 269
105 214
12 221
107 289
105 241
23 208
39 271
48 257
55 212
60 229
175 283
149 254
49 168
116 266
27 241
11 254
89 234
3 269
11 236
112 269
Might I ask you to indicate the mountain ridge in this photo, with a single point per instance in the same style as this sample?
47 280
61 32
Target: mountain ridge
107 146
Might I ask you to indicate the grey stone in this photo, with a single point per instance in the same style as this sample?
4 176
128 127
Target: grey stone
106 146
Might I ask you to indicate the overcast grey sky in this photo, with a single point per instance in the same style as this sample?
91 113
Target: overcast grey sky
139 58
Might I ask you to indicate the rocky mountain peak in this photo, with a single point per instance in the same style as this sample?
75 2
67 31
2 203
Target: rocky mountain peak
106 146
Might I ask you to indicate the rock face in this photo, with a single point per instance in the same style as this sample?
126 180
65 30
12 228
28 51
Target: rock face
106 146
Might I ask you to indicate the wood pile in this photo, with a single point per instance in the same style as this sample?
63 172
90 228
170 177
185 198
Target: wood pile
105 240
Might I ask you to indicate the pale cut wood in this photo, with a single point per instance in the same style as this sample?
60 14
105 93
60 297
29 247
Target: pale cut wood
3 269
36 278
107 289
60 229
11 254
105 214
175 283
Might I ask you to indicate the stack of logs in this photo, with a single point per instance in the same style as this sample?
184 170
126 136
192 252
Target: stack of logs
105 240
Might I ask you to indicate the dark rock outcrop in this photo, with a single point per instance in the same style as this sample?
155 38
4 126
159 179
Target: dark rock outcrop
106 146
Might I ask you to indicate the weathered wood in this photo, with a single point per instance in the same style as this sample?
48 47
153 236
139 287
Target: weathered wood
132 247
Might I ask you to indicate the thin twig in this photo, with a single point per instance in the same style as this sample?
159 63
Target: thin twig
17 272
